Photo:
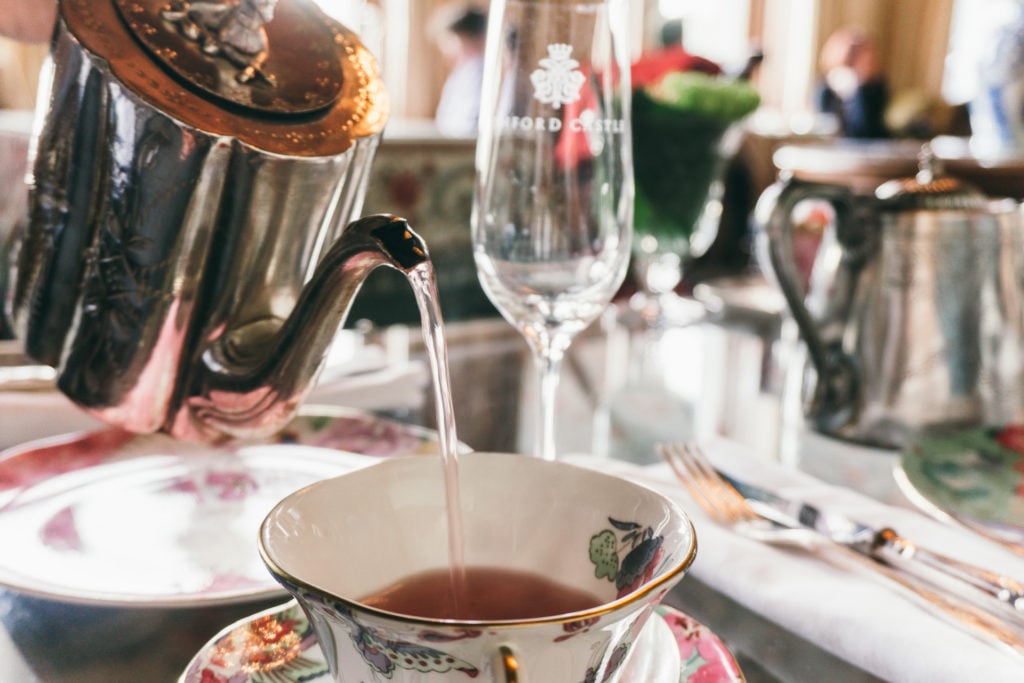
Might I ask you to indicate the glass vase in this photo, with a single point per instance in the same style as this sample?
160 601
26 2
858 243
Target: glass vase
681 158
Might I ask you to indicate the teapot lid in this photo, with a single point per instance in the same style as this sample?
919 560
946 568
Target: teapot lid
930 189
279 75
242 53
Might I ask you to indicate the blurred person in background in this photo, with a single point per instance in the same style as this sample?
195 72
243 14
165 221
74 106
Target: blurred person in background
853 87
25 29
29 21
25 21
461 36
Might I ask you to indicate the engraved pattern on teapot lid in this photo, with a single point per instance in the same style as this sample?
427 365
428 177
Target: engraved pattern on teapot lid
240 52
325 126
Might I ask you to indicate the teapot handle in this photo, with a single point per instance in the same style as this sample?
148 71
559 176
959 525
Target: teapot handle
834 401
508 666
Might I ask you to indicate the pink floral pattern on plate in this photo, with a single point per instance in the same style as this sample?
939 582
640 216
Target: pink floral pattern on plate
357 434
705 658
278 644
108 517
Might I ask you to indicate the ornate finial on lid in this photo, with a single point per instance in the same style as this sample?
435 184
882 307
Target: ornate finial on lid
929 188
241 51
233 31
317 91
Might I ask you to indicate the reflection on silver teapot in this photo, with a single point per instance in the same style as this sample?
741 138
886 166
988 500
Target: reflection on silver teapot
919 322
185 266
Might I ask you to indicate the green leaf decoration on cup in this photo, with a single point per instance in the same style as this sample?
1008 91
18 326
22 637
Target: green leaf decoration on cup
604 554
638 547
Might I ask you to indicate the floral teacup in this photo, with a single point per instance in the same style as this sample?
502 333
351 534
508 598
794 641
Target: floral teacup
338 541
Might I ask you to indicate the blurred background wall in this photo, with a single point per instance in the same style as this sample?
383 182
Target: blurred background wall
912 37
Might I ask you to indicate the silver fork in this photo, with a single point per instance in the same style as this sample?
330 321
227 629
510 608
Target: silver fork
727 506
1002 595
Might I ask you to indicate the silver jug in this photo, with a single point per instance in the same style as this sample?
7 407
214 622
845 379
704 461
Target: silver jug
918 324
185 266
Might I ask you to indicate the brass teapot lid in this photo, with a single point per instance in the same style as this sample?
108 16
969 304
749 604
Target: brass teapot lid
929 189
279 75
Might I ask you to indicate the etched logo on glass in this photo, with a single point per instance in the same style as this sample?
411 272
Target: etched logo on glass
559 79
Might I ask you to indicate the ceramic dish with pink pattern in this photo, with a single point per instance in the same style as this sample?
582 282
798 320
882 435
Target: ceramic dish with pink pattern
279 645
111 518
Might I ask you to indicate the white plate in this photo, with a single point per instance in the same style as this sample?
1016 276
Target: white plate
110 518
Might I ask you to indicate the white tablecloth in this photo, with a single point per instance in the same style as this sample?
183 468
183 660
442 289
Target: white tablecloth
854 615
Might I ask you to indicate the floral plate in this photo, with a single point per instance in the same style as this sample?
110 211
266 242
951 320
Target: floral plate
279 645
975 475
111 518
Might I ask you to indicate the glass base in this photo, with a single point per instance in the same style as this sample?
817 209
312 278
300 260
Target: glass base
641 417
659 311
648 403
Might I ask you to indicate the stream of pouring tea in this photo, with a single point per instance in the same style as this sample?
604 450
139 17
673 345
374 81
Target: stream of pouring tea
424 285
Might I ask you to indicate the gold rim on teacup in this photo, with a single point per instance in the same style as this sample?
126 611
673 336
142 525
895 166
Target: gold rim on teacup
643 591
567 618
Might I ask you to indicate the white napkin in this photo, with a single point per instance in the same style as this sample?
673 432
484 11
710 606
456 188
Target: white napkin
861 620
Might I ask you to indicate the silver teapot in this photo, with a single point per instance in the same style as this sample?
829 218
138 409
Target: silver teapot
186 263
914 318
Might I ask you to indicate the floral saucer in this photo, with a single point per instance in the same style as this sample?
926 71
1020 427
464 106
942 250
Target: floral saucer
279 645
117 519
975 476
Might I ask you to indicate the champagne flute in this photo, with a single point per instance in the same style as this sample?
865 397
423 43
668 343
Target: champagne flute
552 216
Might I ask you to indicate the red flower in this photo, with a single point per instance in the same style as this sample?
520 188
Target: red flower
210 677
651 552
574 147
573 627
711 672
1011 437
651 67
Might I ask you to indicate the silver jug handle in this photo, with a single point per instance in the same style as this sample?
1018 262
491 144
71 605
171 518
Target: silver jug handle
834 402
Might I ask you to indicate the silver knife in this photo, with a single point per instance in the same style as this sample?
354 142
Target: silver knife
887 546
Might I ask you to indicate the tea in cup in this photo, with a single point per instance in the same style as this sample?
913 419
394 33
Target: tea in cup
562 567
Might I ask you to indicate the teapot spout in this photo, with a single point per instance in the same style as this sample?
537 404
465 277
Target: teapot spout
250 381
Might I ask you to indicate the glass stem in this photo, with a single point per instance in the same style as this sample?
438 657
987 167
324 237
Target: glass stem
549 367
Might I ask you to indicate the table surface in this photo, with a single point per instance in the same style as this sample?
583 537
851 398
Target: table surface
718 364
